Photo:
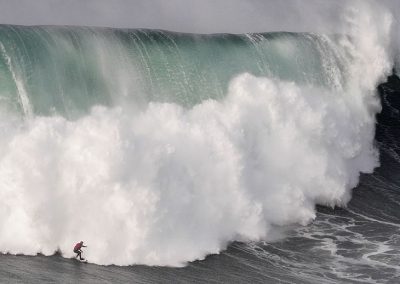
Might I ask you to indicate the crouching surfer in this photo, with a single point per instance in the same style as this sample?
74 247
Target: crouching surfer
78 251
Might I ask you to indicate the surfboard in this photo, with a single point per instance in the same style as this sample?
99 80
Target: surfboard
81 261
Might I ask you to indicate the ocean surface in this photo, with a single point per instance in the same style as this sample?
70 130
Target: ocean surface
184 158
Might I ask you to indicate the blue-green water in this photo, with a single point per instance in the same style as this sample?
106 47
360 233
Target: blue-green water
67 70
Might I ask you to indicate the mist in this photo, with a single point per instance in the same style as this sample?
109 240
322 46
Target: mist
197 16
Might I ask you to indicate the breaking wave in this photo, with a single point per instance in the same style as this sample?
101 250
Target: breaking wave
160 148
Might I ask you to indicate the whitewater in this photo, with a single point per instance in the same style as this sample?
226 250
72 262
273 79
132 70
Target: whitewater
161 148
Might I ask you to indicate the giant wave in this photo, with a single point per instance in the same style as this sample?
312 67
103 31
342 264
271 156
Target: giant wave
160 148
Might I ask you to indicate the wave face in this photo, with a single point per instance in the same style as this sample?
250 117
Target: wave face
160 148
69 70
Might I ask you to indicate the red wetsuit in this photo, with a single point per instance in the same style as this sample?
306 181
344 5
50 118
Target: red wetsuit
77 247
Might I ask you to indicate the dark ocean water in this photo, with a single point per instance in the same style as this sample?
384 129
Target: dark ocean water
357 244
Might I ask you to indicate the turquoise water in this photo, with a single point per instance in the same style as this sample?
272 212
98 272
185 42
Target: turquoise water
67 70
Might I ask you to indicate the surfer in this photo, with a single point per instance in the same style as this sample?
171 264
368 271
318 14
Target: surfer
78 251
